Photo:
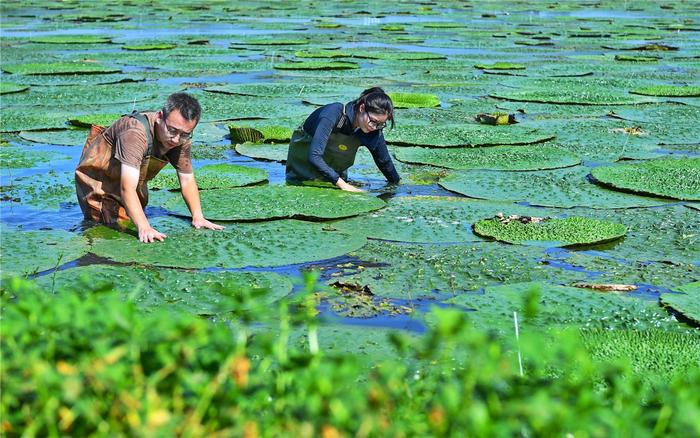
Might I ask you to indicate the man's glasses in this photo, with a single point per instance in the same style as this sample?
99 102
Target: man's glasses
374 124
174 132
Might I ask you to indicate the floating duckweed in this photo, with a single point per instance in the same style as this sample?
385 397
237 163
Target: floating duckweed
414 100
668 91
677 178
686 303
212 176
317 65
278 202
500 66
497 157
568 231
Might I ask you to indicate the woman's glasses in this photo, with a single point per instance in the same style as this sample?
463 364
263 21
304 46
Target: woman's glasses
374 124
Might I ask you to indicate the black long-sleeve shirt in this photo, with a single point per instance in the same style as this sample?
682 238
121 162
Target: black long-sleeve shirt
324 120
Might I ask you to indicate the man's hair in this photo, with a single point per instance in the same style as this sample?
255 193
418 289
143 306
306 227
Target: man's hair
186 104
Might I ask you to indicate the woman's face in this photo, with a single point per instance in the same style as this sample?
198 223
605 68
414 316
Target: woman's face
369 122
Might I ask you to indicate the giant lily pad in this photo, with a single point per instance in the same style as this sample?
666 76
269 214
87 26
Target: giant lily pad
8 87
86 121
560 306
71 39
668 91
317 65
256 133
283 89
464 135
27 252
686 303
654 353
15 120
429 219
414 271
42 191
551 188
59 68
61 137
570 91
149 47
677 178
496 158
278 202
267 152
275 243
414 100
205 293
569 231
213 176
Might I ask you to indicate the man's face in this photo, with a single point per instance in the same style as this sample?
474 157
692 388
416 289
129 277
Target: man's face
173 130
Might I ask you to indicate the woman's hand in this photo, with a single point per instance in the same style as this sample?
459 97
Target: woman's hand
342 185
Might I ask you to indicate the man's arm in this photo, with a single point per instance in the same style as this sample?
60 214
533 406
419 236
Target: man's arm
129 182
190 193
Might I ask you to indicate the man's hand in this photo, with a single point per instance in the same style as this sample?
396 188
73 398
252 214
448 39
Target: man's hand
203 223
342 185
150 234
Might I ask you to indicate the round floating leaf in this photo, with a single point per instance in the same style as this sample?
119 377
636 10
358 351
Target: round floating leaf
687 303
551 188
58 68
278 202
429 219
42 191
668 91
561 306
61 137
414 100
414 271
500 66
633 58
317 65
149 47
677 178
654 353
551 232
71 39
271 42
88 120
8 87
27 252
212 176
14 120
258 133
496 158
268 152
581 91
463 135
272 243
203 293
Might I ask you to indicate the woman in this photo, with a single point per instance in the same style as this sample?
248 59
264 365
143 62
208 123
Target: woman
324 147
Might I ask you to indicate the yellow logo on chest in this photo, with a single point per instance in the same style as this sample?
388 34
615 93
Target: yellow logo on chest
342 147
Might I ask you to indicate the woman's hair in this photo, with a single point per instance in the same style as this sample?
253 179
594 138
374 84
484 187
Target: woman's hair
376 102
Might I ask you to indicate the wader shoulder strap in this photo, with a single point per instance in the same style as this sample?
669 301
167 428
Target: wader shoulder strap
149 135
341 122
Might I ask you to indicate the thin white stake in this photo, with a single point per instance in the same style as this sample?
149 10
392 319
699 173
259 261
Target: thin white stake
517 338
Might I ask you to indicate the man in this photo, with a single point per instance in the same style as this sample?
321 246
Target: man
117 162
